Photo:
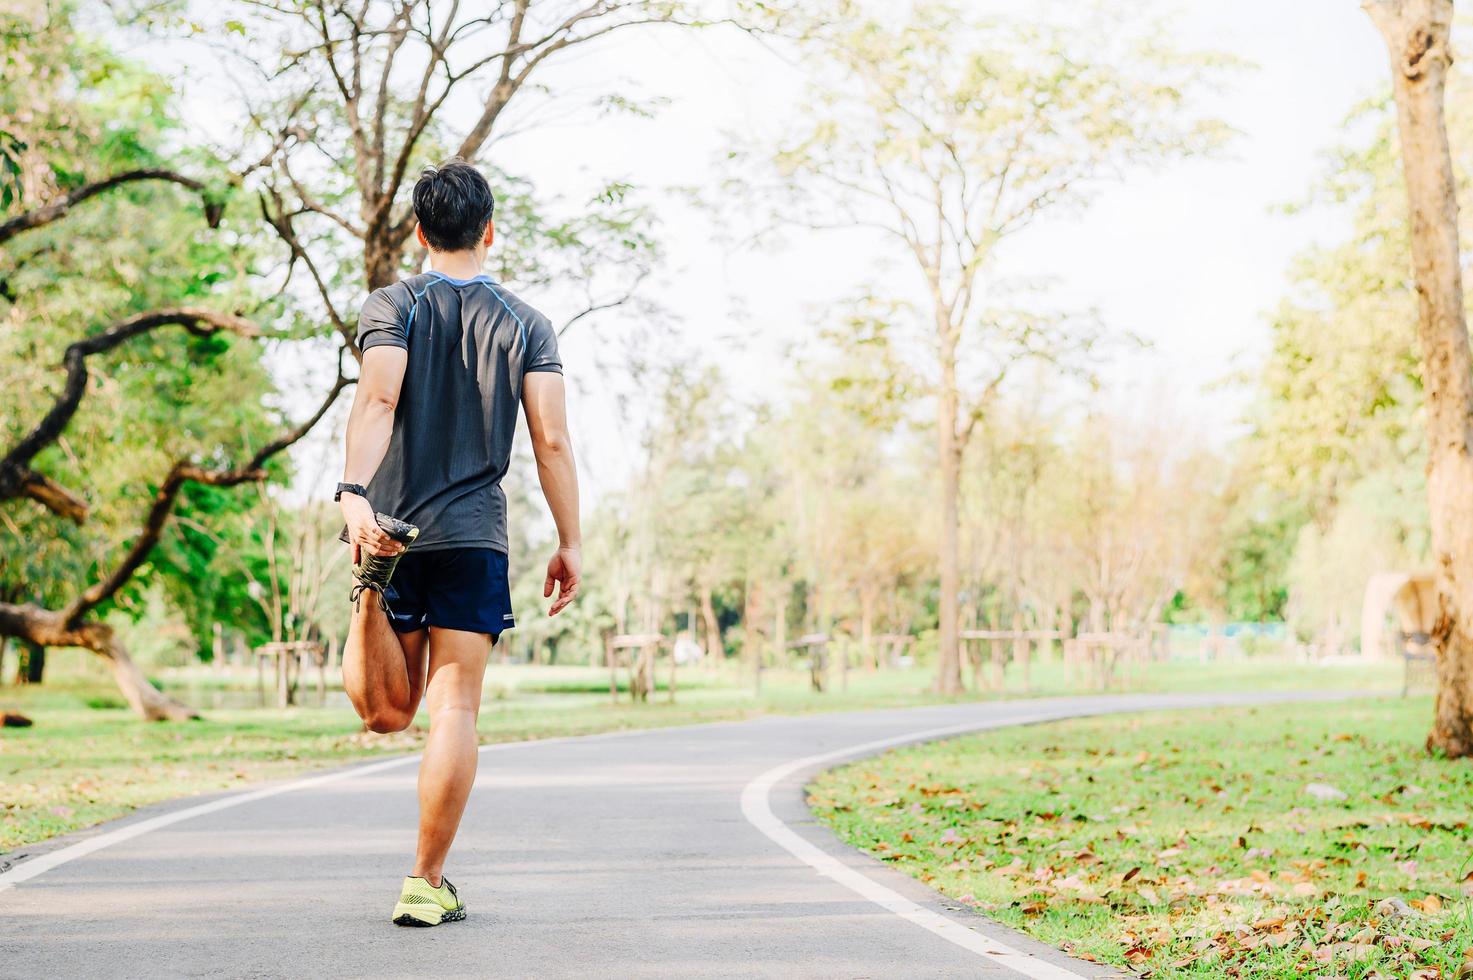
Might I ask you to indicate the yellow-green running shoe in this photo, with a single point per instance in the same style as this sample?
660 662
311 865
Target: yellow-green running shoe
422 904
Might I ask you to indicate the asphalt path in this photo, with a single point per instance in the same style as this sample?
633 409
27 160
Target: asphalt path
678 852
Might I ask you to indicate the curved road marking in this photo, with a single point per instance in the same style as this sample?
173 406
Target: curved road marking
27 870
34 867
757 808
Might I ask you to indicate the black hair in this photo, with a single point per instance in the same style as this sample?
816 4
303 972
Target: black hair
454 204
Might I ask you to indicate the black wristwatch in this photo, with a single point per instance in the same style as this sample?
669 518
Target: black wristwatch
343 488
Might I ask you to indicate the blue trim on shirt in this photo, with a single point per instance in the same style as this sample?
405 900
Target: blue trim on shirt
497 293
458 282
409 322
484 280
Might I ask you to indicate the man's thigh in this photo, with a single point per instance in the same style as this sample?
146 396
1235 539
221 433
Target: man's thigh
416 649
457 668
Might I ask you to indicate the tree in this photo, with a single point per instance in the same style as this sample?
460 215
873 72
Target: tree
1418 36
332 131
1137 499
353 101
177 407
949 134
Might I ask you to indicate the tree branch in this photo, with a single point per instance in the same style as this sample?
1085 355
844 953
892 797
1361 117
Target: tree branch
53 212
16 477
598 307
180 473
278 218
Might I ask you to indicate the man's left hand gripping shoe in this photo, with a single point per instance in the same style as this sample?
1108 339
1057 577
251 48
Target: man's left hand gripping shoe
374 571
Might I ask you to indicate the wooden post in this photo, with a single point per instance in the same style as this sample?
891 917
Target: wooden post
613 670
321 654
780 627
1021 644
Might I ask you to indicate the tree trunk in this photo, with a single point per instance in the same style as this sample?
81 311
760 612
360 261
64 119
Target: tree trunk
381 259
621 611
32 666
867 651
780 625
142 696
715 648
33 625
1417 34
948 660
751 609
1021 652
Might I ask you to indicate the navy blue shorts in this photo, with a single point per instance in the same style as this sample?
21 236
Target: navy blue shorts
454 589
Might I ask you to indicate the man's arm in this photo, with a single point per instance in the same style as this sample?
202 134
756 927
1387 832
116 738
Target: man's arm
544 400
370 424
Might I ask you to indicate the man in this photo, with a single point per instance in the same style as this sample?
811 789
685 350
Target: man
447 357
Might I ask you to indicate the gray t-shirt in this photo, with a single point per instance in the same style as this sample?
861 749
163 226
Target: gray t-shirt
470 342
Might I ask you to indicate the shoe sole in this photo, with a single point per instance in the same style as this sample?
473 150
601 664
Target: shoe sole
417 917
401 531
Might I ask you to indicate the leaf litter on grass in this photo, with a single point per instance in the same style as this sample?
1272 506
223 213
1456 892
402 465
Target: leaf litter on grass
1185 846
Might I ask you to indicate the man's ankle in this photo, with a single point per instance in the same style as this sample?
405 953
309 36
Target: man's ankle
435 880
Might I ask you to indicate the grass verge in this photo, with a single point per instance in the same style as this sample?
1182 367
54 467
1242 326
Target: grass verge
1315 840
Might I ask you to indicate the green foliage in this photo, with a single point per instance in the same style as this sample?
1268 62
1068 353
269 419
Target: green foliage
1254 569
83 113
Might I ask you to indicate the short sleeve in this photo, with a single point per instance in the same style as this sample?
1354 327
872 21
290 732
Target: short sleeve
542 352
381 323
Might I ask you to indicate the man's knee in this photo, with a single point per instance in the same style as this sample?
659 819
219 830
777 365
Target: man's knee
462 711
387 721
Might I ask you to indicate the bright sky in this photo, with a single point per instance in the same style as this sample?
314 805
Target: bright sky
1192 259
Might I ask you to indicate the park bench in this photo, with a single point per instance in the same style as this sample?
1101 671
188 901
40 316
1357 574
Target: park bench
815 646
636 653
288 660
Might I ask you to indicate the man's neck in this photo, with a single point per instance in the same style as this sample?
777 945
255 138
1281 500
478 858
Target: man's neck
456 265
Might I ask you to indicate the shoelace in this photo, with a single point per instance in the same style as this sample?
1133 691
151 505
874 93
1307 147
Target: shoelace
355 595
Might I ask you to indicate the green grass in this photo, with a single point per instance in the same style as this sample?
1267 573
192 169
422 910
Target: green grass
1185 844
88 759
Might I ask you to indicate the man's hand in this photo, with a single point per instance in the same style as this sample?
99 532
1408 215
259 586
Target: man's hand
566 569
363 529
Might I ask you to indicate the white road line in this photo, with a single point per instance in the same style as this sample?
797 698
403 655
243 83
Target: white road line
34 867
27 870
757 808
